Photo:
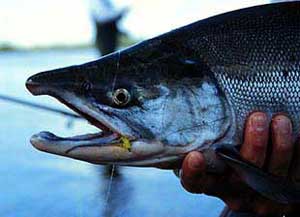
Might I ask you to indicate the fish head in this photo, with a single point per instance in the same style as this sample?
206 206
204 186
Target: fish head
152 104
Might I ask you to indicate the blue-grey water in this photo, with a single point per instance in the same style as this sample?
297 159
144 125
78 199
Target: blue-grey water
34 184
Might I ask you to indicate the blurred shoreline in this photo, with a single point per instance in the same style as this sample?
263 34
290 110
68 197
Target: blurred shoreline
125 41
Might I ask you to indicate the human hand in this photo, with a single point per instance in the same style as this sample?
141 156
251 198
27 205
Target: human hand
275 156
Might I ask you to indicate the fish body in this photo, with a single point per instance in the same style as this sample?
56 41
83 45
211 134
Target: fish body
189 89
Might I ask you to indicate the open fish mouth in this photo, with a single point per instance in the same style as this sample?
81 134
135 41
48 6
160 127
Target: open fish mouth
111 145
107 136
108 146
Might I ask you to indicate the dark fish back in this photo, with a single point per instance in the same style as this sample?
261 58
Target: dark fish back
254 54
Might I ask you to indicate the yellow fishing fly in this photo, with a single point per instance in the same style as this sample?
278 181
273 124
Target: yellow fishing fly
125 143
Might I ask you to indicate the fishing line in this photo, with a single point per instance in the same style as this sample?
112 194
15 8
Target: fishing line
109 187
117 71
80 198
164 111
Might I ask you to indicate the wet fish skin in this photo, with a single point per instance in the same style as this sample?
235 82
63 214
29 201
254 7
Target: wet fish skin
255 59
162 85
208 76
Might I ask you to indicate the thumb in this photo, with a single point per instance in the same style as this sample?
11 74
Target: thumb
193 170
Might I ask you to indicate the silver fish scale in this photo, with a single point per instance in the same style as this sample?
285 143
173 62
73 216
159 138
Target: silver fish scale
255 59
268 90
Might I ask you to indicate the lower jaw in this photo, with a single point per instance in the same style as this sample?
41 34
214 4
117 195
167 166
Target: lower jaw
48 142
110 149
100 138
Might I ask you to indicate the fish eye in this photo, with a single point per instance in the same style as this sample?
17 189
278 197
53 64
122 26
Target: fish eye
121 97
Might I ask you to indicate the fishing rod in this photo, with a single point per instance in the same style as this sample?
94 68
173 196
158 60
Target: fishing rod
38 106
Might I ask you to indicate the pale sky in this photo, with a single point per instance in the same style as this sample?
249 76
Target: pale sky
48 22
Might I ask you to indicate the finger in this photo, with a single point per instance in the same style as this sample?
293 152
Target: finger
256 138
296 163
282 145
264 207
193 168
241 198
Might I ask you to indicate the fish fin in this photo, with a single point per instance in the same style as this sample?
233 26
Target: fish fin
280 189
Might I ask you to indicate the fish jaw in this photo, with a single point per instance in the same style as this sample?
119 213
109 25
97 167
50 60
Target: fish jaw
113 144
109 149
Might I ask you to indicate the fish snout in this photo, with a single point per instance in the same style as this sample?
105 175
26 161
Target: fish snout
39 84
48 81
33 86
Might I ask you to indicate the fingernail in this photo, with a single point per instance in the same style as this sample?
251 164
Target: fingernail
258 129
259 122
283 124
194 161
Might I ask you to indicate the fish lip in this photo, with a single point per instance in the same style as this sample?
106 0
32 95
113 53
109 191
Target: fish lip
49 142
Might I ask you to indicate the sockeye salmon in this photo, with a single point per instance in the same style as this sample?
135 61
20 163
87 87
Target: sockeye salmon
189 89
